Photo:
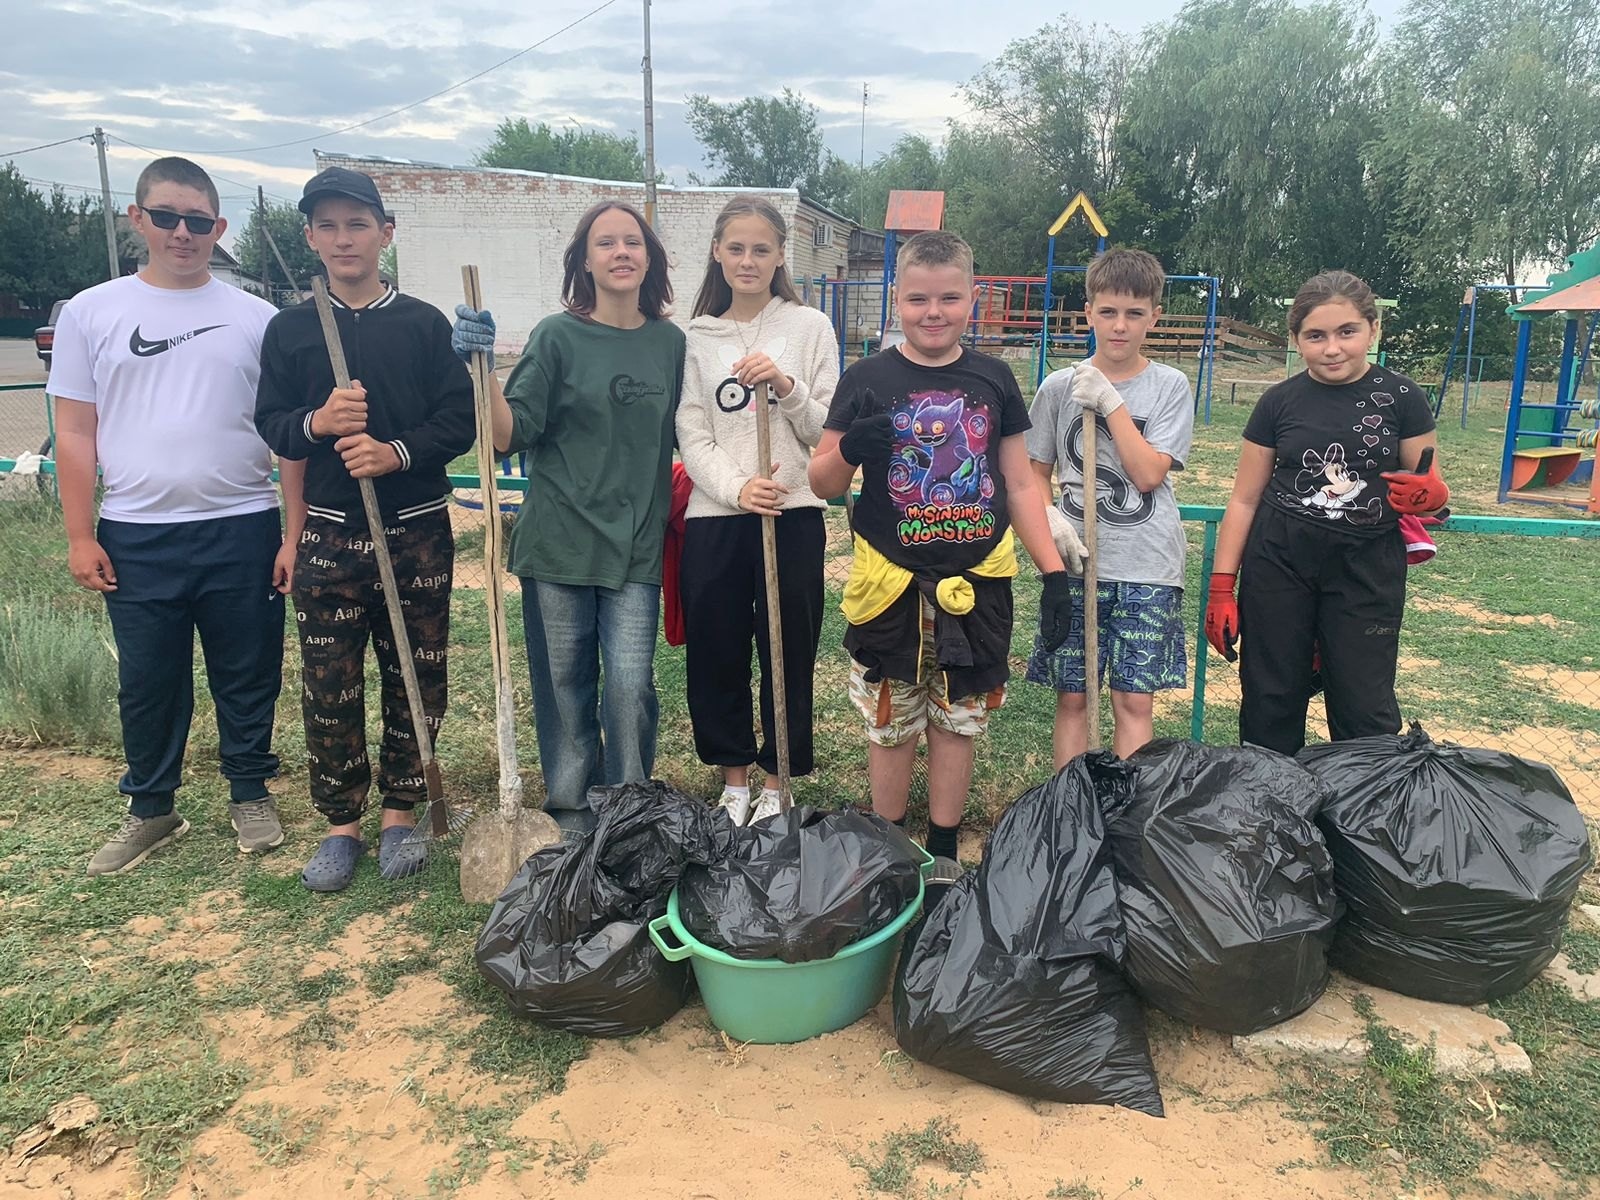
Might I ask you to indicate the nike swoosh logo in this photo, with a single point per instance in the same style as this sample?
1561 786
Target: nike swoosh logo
143 347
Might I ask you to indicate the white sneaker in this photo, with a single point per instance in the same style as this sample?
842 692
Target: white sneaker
768 806
736 806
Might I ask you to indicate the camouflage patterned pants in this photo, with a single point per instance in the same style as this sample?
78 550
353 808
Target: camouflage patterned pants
339 607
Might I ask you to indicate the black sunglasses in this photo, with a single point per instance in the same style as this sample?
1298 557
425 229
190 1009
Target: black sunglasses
162 219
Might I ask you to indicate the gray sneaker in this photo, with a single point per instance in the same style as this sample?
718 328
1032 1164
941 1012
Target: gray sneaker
256 822
135 841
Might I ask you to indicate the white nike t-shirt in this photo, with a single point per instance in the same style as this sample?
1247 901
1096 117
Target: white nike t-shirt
172 373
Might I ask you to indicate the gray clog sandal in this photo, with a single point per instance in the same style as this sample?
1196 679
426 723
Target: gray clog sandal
333 866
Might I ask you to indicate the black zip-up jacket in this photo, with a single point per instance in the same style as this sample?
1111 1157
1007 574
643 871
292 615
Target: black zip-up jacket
419 400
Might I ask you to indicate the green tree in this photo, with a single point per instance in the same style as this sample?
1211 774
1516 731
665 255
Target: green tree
50 248
1060 96
1251 118
587 153
288 229
1490 140
769 142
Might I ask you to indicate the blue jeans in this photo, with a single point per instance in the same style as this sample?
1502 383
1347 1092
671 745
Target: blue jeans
588 738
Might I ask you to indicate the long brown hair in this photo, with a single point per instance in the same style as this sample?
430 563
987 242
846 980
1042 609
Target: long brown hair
577 286
1325 289
716 296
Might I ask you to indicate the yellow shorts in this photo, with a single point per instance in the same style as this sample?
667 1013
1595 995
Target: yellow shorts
897 712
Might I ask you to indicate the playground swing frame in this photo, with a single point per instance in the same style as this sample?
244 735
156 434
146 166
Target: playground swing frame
1574 295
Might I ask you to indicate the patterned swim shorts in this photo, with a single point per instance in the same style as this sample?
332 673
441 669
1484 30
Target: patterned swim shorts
1141 641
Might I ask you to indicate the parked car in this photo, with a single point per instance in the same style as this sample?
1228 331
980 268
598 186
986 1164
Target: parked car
44 337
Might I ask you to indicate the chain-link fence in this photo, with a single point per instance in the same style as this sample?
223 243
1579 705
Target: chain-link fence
25 428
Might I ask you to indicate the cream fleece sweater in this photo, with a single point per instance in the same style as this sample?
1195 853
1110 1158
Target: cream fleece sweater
716 419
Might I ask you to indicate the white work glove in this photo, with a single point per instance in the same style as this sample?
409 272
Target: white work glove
1068 544
1094 391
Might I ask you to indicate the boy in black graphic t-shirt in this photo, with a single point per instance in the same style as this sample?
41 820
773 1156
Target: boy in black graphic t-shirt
937 431
1332 458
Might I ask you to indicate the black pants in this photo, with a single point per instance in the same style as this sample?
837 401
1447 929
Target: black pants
214 577
339 607
1301 586
725 606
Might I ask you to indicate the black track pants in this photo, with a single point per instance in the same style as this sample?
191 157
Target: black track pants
1301 586
725 606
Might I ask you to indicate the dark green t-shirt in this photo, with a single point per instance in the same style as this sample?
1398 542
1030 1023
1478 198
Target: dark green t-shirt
593 406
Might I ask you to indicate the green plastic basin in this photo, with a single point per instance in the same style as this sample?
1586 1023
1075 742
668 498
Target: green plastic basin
766 1001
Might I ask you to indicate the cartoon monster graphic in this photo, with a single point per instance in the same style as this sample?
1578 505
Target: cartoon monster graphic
947 469
1327 483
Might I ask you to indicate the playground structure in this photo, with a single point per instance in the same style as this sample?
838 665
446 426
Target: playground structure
1543 458
1467 324
1023 313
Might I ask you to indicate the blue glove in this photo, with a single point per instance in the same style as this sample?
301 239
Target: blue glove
473 331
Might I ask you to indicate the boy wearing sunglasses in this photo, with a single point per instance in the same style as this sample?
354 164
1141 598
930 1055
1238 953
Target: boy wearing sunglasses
154 377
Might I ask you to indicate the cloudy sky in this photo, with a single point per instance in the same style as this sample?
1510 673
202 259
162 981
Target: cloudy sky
227 83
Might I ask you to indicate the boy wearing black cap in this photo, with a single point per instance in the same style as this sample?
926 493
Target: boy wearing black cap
407 413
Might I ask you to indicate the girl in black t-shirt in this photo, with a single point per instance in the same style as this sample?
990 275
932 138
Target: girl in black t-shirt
1332 457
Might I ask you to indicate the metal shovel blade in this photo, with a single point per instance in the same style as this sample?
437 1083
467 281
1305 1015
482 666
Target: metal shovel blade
493 849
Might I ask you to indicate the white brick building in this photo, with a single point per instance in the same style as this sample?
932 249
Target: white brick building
515 225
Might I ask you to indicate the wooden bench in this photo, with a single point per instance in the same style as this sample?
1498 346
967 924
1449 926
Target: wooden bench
1548 466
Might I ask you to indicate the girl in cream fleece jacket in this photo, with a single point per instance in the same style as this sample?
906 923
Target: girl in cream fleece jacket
751 341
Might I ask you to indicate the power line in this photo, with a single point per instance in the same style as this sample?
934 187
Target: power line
82 137
213 174
394 112
74 187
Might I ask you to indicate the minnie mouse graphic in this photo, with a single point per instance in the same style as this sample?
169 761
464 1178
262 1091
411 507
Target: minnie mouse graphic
1327 483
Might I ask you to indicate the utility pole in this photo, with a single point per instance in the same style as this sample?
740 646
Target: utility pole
649 129
861 166
261 244
105 203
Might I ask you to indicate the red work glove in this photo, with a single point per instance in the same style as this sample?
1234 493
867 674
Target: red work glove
1419 491
1222 616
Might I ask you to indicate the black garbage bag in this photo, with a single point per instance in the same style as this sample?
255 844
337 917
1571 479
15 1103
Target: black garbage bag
1457 864
567 940
1013 979
1227 887
802 887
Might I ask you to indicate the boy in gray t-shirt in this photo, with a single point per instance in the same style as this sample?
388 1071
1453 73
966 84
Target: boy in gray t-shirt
1145 412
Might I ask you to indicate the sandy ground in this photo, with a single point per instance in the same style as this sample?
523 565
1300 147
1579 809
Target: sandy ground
685 1113
682 1112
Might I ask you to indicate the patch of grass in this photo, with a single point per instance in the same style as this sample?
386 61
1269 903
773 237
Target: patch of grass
322 987
58 675
277 1132
1396 1101
1553 1107
384 975
1582 948
1079 1190
897 1157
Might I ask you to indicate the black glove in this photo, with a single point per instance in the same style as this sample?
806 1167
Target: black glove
1055 609
870 438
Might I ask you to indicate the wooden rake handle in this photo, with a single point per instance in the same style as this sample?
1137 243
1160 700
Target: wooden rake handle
769 563
505 718
1091 575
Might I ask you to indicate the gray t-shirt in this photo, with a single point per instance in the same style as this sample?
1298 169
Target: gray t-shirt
1140 535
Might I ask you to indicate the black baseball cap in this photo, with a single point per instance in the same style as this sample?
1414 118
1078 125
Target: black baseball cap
338 181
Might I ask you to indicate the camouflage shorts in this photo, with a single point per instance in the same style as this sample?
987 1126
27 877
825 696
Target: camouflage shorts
897 712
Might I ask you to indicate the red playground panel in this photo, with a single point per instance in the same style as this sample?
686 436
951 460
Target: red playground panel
1543 468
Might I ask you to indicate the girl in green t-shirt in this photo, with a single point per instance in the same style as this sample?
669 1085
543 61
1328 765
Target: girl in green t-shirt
591 402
